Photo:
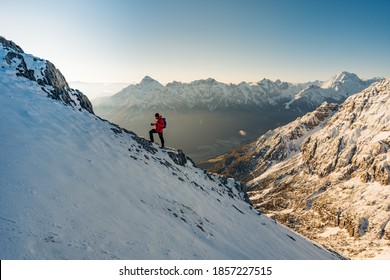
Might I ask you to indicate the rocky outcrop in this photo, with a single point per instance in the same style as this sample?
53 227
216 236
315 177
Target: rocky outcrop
10 45
45 74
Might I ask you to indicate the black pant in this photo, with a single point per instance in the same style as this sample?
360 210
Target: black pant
159 134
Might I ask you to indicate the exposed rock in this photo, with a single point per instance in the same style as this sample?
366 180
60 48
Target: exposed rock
10 45
21 67
45 74
178 157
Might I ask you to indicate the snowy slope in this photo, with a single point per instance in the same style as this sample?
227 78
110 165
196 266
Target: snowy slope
73 186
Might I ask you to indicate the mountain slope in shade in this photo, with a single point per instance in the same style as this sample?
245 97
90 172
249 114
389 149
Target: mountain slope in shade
73 186
336 189
275 146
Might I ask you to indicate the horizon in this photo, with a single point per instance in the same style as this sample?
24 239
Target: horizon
204 79
232 42
94 91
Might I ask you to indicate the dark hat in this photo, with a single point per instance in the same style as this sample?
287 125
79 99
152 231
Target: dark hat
157 115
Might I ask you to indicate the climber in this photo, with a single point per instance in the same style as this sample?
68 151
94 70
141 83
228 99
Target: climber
159 127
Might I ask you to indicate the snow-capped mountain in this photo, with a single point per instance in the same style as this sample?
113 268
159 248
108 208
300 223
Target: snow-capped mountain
336 89
218 111
206 94
74 186
336 189
215 95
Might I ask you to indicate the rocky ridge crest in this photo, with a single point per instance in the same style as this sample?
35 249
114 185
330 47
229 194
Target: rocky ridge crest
43 72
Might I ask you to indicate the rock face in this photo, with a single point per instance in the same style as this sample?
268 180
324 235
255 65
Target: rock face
356 139
336 189
10 45
44 73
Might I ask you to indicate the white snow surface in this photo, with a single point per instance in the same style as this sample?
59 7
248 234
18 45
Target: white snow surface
73 186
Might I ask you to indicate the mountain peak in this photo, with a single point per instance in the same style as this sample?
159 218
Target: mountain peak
208 81
149 80
342 77
345 76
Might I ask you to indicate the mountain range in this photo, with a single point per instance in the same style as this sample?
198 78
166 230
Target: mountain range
75 186
208 118
213 95
326 174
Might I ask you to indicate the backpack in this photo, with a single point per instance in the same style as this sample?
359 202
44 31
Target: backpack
165 122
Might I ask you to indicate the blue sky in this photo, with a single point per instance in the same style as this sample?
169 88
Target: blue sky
231 41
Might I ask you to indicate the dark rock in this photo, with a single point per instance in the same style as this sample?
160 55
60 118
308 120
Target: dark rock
10 45
179 158
51 77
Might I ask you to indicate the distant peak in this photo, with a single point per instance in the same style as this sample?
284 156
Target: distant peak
265 81
209 81
344 76
149 81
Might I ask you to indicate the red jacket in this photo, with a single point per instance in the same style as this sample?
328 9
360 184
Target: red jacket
159 124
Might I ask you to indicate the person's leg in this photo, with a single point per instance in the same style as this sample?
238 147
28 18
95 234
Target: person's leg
162 139
151 135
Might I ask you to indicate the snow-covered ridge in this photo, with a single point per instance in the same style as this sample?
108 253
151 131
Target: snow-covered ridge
357 134
340 180
73 186
15 62
338 88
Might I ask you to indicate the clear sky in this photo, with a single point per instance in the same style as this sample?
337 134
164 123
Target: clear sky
186 40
